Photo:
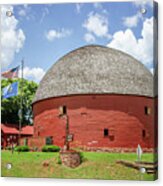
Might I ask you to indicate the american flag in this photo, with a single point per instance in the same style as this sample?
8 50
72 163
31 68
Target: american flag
12 73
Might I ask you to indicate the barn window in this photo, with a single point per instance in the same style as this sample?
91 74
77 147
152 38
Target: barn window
83 113
143 133
106 132
147 110
62 110
49 140
26 141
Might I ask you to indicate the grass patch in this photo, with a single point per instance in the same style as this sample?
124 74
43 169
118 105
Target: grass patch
96 166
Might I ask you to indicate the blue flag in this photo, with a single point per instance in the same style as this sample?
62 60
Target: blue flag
10 90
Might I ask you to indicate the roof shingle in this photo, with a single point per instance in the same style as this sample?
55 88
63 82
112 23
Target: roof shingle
96 70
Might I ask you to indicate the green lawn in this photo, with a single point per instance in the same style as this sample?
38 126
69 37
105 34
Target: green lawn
95 166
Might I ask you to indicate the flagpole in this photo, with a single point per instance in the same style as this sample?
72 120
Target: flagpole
21 101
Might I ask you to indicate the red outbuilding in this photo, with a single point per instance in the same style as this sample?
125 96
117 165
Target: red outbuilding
109 98
10 134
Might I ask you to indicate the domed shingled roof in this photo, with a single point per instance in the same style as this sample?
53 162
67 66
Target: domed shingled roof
96 70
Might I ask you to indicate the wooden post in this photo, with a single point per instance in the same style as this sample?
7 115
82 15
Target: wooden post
67 133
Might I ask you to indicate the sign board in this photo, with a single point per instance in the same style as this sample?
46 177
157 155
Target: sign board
139 152
70 137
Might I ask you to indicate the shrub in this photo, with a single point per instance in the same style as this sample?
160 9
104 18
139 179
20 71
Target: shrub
82 158
22 149
50 148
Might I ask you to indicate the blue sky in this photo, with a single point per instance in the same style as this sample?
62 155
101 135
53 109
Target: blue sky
44 33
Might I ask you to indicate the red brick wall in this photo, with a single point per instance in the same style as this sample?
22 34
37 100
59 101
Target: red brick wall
33 142
89 115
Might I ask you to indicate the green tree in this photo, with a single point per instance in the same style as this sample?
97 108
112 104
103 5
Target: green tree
11 106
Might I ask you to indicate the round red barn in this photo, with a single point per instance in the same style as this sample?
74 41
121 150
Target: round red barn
108 96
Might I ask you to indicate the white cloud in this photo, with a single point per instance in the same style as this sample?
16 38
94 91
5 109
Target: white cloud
143 3
52 34
33 74
25 12
89 38
142 48
22 12
26 6
78 7
131 21
97 24
12 38
45 12
98 5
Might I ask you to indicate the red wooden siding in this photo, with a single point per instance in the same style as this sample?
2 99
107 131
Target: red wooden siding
124 117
